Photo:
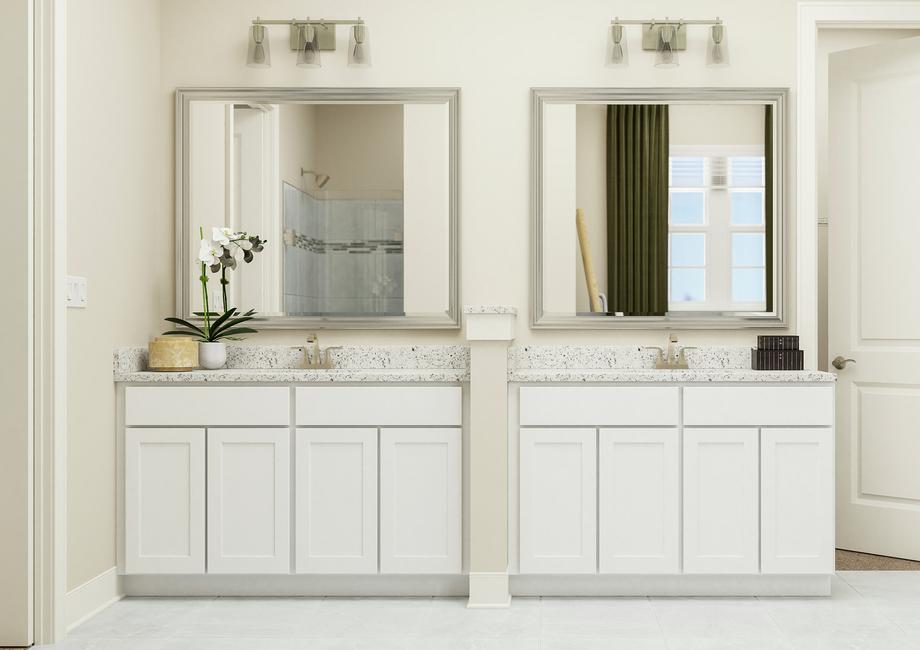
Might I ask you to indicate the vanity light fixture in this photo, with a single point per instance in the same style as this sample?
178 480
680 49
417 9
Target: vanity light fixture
717 49
666 38
259 54
308 38
359 51
666 50
617 50
308 55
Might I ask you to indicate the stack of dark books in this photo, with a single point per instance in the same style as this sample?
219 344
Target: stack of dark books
777 353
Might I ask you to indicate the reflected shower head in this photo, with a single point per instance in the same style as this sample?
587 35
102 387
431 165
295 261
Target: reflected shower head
320 179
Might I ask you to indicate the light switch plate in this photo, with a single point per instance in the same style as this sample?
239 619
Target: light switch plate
76 292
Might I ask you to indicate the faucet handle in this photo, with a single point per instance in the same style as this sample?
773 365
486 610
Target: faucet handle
682 358
660 362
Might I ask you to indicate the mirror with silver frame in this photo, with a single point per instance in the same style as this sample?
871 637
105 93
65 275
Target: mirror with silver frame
658 208
354 190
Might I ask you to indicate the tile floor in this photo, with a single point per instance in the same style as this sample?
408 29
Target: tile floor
868 611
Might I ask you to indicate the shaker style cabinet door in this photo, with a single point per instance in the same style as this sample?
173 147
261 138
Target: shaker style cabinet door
335 500
420 493
164 501
639 501
558 515
249 501
721 501
797 500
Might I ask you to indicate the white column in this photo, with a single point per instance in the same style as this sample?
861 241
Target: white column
489 329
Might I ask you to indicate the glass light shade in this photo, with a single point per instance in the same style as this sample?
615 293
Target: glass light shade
617 50
717 49
308 54
359 49
259 53
665 54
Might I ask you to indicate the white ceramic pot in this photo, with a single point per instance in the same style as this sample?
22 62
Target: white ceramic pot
212 356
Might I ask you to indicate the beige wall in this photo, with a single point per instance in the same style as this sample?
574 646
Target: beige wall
297 135
15 327
207 46
120 237
830 41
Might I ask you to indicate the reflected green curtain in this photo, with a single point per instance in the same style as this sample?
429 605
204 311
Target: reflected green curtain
637 209
768 202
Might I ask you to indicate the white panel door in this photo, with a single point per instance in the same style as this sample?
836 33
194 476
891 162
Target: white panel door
558 500
249 501
797 496
164 501
335 500
721 501
873 312
420 493
639 500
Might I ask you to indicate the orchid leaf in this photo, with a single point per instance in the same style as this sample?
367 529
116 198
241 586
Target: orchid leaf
185 323
238 330
183 333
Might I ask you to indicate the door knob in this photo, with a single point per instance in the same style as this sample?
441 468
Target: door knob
841 362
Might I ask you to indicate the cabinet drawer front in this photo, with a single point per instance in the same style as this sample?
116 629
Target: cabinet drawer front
207 405
599 405
379 405
765 406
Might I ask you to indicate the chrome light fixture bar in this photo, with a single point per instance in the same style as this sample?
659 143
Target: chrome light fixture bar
666 38
308 37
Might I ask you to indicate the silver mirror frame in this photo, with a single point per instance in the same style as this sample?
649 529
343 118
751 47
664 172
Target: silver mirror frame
778 97
449 96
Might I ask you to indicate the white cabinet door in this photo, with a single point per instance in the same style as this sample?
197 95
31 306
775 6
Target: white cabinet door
639 497
335 500
249 501
558 500
797 500
164 500
720 501
420 516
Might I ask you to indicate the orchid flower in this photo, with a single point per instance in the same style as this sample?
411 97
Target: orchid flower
209 253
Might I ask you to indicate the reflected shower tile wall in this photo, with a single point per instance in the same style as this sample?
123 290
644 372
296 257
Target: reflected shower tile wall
347 255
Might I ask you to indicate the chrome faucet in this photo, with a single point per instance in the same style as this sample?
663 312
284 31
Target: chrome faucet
314 357
672 357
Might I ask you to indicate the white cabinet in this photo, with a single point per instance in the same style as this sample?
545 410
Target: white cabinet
249 500
797 494
336 500
721 500
558 512
639 497
420 496
164 501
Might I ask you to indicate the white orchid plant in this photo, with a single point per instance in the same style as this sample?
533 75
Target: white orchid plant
222 251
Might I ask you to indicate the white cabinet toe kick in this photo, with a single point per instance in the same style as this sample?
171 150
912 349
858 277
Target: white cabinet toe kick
307 490
672 490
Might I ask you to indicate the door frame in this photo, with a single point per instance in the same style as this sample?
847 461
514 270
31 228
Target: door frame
48 177
812 16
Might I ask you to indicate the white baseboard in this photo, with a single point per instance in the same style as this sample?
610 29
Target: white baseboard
489 590
91 597
296 585
671 585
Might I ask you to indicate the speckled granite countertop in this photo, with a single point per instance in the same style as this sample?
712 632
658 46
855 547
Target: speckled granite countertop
651 375
634 364
356 363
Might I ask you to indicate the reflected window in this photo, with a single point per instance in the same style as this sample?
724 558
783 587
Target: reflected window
717 235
